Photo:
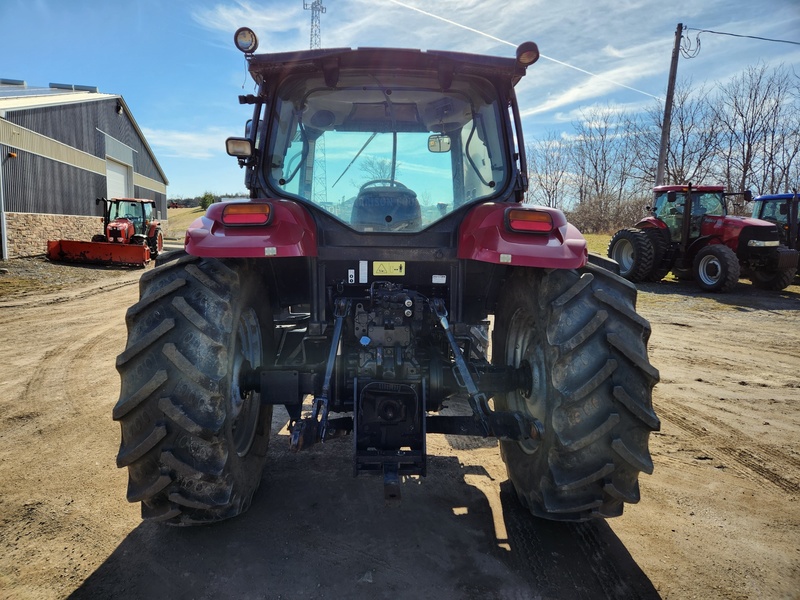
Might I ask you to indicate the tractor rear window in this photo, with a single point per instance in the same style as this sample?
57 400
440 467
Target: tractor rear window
387 152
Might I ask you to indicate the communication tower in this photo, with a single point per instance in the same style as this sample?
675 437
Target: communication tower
316 9
320 190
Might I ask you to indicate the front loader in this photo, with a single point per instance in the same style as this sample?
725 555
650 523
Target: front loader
131 236
383 268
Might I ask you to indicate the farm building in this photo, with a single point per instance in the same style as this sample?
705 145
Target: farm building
61 147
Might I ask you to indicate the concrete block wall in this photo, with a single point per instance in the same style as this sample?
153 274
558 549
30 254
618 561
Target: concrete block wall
27 233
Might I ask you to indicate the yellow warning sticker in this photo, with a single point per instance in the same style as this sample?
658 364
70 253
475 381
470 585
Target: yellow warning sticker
389 268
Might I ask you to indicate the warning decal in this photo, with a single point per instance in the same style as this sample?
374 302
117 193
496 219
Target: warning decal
388 268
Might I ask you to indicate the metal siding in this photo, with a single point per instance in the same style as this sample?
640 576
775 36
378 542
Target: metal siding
36 184
42 184
161 199
119 151
85 126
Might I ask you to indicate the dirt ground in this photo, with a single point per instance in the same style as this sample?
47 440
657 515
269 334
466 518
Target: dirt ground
719 518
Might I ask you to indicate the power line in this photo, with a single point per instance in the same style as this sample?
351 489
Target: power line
752 37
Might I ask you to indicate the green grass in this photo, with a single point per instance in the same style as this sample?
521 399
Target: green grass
597 242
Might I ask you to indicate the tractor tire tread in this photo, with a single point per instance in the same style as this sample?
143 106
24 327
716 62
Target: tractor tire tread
600 393
172 410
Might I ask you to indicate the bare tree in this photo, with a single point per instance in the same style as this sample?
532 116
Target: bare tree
548 166
602 165
692 142
377 168
758 122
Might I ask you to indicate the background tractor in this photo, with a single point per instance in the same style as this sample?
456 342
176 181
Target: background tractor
131 236
781 209
691 234
362 301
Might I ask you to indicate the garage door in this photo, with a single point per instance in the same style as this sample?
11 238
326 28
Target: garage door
118 180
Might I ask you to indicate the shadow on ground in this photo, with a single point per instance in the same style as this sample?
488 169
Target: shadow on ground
315 532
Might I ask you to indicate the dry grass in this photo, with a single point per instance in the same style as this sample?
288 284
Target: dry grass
179 220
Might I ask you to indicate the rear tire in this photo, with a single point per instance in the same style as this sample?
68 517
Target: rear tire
194 446
659 239
156 244
591 389
632 249
716 268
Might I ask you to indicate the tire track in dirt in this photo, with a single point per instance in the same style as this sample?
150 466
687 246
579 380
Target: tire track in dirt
64 367
58 298
756 462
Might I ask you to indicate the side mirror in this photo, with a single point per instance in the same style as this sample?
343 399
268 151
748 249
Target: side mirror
784 209
748 196
671 196
439 143
241 147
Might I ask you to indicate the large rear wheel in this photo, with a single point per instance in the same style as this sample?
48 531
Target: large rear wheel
591 388
633 250
193 442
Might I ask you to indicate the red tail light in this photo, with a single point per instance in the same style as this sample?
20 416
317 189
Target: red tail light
247 214
524 220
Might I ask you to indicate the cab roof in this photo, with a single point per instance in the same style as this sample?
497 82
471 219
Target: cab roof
331 60
787 196
685 188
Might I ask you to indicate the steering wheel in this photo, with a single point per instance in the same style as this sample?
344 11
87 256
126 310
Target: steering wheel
388 182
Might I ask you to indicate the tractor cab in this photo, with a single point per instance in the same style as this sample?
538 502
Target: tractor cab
671 206
138 213
781 209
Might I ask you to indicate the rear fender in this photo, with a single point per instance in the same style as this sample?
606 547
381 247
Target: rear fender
290 231
485 236
652 222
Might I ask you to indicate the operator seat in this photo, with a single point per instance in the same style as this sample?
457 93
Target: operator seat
386 205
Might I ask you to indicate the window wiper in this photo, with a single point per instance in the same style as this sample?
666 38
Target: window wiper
355 158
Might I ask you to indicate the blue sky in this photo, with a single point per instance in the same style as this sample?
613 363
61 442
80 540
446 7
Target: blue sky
175 64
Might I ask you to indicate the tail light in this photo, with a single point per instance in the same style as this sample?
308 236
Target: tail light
525 220
247 214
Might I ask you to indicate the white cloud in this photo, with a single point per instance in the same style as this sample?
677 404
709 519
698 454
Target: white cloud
209 143
281 16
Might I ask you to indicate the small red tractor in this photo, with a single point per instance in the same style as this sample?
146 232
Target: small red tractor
690 233
364 305
131 236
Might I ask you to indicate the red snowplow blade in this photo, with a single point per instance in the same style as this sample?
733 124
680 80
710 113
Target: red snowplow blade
100 253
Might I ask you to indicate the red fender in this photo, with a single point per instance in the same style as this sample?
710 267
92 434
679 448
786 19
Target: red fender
652 222
290 231
485 235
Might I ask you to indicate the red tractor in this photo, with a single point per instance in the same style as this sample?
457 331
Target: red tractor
131 236
362 300
690 233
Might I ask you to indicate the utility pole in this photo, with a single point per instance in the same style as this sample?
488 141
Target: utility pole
673 71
